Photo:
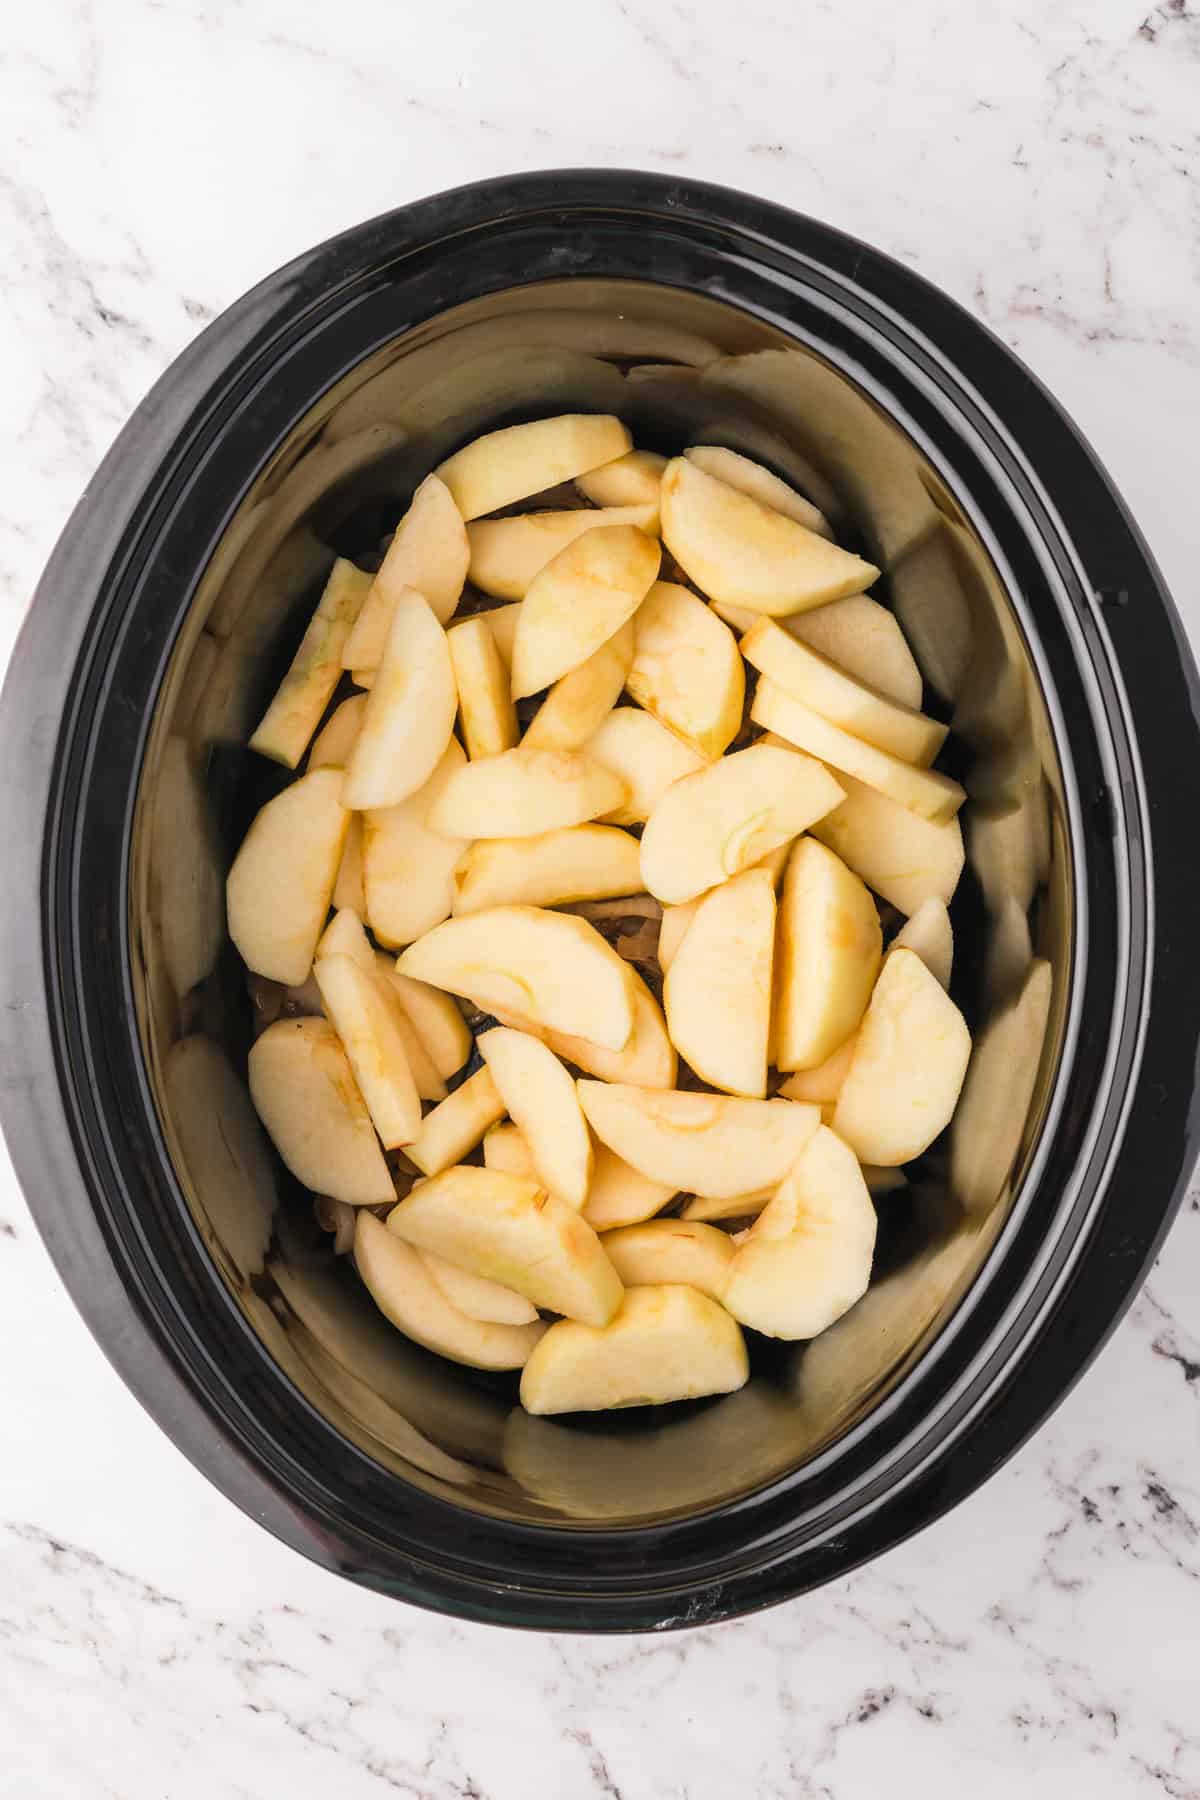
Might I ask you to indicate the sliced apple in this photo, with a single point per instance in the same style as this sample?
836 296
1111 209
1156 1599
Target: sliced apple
581 700
686 669
406 1293
674 1251
648 1057
316 668
631 480
348 888
366 1013
908 1066
930 933
408 868
673 928
506 554
700 1208
540 1097
428 552
409 720
665 1343
580 862
438 1024
478 1297
501 621
510 465
743 553
304 1091
995 1109
727 816
278 890
525 793
454 1128
865 639
620 1194
717 993
830 946
749 477
705 1143
821 1085
860 710
550 969
489 718
807 1257
646 756
902 856
507 1148
923 791
512 1231
334 742
344 936
578 600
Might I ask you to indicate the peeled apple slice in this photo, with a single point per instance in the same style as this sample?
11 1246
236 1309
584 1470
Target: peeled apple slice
550 968
344 936
751 478
727 816
580 862
909 1061
632 480
278 891
622 1195
525 793
865 639
453 1128
506 1148
410 711
673 1251
648 1057
501 621
576 603
514 1232
903 857
646 756
540 1097
407 1294
743 553
478 1298
510 465
807 1257
686 669
717 992
408 868
333 743
676 919
821 1085
489 718
366 1013
581 700
305 1093
666 1343
428 552
703 1143
931 935
736 1206
437 1022
506 554
830 947
316 668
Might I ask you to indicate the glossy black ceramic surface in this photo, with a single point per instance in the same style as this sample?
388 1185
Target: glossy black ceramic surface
297 427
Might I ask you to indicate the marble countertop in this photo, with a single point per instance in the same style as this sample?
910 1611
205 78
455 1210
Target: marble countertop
1043 164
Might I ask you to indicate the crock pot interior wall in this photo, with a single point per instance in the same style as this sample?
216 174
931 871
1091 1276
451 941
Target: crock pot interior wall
680 368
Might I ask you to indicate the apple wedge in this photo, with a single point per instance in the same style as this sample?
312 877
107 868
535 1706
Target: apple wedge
631 480
865 639
501 621
908 1066
620 1194
727 816
438 1024
704 1143
304 1091
316 668
507 1148
348 889
540 1097
525 793
550 969
646 756
930 933
717 992
673 1251
578 600
428 552
743 553
748 477
512 1231
821 1085
489 718
333 743
648 1057
365 1011
686 669
860 710
902 856
452 1130
700 1209
995 1108
344 936
581 700
580 862
923 791
506 554
807 1257
511 464
676 919
278 891
408 868
410 711
830 946
477 1297
406 1293
665 1343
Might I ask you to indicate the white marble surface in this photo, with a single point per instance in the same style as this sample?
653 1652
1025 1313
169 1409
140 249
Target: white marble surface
1043 163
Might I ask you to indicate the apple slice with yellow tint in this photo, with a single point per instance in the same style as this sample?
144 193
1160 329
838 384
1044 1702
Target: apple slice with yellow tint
671 1250
622 1195
506 1148
865 639
903 857
704 1143
923 791
631 480
665 1343
821 1085
700 1208
830 947
686 669
506 554
408 868
540 1097
316 668
333 743
520 460
930 933
410 711
907 1071
501 621
477 1297
743 553
580 862
525 793
581 700
365 1011
277 893
428 552
344 936
305 1093
647 1058
676 919
646 756
728 815
437 1022
749 477
576 603
485 706
348 889
717 992
453 1129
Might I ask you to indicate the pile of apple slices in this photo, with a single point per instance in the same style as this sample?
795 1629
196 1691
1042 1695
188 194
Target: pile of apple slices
492 783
